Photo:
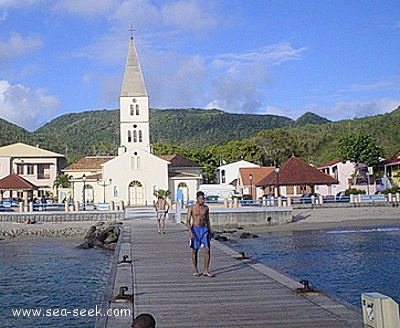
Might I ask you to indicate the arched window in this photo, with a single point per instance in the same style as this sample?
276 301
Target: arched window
129 136
134 136
132 110
140 136
137 109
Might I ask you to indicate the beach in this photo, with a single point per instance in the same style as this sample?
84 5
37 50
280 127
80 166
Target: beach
327 218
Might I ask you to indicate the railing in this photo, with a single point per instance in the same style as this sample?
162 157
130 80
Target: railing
57 207
381 199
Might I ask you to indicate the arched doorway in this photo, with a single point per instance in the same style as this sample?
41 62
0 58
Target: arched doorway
136 193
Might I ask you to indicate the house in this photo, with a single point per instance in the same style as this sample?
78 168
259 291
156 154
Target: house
389 172
35 166
248 180
136 173
294 178
339 171
228 173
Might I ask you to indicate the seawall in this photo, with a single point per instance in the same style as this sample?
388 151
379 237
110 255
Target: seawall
249 216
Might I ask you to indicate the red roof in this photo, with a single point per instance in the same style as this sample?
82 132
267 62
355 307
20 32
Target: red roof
258 174
296 172
15 182
329 164
89 163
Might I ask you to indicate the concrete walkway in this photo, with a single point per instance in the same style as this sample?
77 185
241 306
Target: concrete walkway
240 295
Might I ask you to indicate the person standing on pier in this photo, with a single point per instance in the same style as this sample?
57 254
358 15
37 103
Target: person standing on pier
162 208
198 224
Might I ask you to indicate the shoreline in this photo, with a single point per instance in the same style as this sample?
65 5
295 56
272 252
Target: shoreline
323 219
10 230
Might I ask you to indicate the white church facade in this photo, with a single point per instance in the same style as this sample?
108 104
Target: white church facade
135 174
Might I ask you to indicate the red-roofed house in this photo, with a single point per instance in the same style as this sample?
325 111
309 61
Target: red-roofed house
249 178
38 167
389 171
294 178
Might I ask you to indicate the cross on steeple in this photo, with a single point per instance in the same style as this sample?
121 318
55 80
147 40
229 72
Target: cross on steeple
131 30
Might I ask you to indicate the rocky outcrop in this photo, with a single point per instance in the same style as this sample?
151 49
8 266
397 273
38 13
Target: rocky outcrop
104 235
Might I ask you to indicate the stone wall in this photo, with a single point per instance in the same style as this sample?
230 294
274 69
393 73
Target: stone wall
244 216
62 216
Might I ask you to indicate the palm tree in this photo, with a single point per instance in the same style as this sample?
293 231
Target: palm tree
62 181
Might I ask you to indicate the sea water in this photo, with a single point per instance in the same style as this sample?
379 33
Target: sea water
341 262
51 274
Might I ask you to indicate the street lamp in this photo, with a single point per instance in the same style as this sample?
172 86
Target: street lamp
251 185
277 181
84 191
105 184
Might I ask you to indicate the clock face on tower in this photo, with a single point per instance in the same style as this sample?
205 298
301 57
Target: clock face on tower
134 100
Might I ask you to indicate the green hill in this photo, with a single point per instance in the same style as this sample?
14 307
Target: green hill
11 133
312 137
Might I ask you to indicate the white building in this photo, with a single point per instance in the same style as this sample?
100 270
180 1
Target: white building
135 174
228 173
38 166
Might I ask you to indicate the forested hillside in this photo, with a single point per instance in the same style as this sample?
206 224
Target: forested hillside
209 136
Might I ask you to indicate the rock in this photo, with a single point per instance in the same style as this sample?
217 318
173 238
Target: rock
104 235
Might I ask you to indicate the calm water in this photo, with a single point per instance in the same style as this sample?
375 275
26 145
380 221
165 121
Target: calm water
51 273
342 262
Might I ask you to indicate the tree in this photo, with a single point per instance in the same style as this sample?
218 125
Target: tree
62 181
162 193
278 145
361 148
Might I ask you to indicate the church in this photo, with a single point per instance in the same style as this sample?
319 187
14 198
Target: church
135 174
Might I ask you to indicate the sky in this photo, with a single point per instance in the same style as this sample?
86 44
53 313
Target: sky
338 59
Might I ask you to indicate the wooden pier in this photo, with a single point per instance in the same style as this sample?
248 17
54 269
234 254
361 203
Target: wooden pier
242 293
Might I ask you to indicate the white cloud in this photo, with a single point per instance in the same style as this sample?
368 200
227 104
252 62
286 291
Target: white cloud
189 15
26 107
271 54
87 8
16 45
350 110
240 80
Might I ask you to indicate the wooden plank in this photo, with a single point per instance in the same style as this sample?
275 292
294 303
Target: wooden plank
240 294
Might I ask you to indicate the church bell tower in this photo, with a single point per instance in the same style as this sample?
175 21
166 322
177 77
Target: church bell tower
134 106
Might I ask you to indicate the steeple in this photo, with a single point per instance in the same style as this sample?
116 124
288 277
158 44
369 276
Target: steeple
134 106
133 83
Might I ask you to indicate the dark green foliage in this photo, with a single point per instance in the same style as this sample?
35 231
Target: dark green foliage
393 191
210 137
11 133
349 192
310 118
201 128
361 148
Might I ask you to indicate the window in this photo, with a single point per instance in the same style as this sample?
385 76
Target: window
129 136
20 169
223 177
30 169
132 110
137 109
43 171
140 136
134 136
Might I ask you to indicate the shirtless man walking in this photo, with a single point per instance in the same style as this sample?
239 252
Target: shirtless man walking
198 223
162 208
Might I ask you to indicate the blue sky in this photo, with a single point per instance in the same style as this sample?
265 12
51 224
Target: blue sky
338 59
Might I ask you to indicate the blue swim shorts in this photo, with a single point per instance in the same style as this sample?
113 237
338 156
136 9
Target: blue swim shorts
201 237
